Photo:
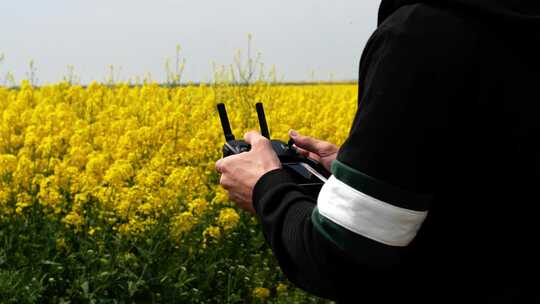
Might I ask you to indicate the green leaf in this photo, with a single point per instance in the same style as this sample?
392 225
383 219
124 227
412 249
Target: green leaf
47 262
85 287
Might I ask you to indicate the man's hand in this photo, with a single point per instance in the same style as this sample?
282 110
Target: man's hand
240 172
319 150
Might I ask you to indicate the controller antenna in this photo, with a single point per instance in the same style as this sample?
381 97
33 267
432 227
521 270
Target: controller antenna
262 120
225 122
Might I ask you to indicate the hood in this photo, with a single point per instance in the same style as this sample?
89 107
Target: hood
518 11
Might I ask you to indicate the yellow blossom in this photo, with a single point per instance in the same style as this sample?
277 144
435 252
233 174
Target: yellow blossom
49 194
4 196
23 201
119 173
134 156
74 219
8 163
61 244
183 223
261 293
281 288
146 208
198 206
212 231
228 218
221 195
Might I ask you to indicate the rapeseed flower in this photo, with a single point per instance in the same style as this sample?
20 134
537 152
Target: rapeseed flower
228 218
261 293
122 159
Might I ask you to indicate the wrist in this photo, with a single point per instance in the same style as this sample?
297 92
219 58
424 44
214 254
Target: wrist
268 181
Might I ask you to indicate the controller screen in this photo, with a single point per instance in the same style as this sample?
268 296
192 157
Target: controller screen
301 174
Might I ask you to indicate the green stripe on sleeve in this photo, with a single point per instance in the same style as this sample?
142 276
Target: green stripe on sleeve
350 242
379 189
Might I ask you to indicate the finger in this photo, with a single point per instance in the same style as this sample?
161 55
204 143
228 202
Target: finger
305 142
223 165
241 201
225 182
311 155
234 197
301 151
255 139
220 166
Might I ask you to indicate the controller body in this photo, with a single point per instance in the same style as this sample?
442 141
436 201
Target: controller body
309 174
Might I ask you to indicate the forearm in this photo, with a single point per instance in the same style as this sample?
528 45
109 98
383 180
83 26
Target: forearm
308 258
285 214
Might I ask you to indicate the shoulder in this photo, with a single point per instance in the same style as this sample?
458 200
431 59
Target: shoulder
429 19
423 43
431 30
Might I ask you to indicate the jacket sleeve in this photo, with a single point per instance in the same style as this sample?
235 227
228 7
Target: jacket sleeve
307 257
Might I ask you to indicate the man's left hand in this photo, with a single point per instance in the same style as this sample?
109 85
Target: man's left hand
240 172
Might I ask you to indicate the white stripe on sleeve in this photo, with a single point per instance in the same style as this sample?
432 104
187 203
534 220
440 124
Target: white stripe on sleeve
368 216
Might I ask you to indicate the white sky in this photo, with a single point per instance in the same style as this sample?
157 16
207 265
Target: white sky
298 36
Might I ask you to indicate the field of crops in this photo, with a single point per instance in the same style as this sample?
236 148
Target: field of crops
108 193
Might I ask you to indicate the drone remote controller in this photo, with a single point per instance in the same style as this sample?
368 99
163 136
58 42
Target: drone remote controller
307 173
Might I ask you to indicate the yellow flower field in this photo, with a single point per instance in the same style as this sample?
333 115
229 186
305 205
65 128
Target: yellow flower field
110 192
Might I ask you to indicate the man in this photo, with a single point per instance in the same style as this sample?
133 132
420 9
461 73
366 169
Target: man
433 194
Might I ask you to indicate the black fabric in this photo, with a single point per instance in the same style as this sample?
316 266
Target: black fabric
448 106
311 261
507 12
379 189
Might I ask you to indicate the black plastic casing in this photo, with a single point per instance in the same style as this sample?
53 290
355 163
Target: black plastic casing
233 147
306 172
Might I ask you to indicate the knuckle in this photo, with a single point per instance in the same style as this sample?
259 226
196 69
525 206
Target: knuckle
261 141
218 166
224 164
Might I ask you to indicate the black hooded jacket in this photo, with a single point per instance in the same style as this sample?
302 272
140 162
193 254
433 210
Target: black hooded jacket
434 196
507 13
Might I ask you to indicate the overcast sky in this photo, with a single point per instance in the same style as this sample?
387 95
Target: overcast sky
136 36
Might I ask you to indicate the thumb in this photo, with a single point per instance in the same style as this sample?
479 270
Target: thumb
255 139
305 142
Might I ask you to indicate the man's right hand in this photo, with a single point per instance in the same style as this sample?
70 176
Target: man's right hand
319 150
